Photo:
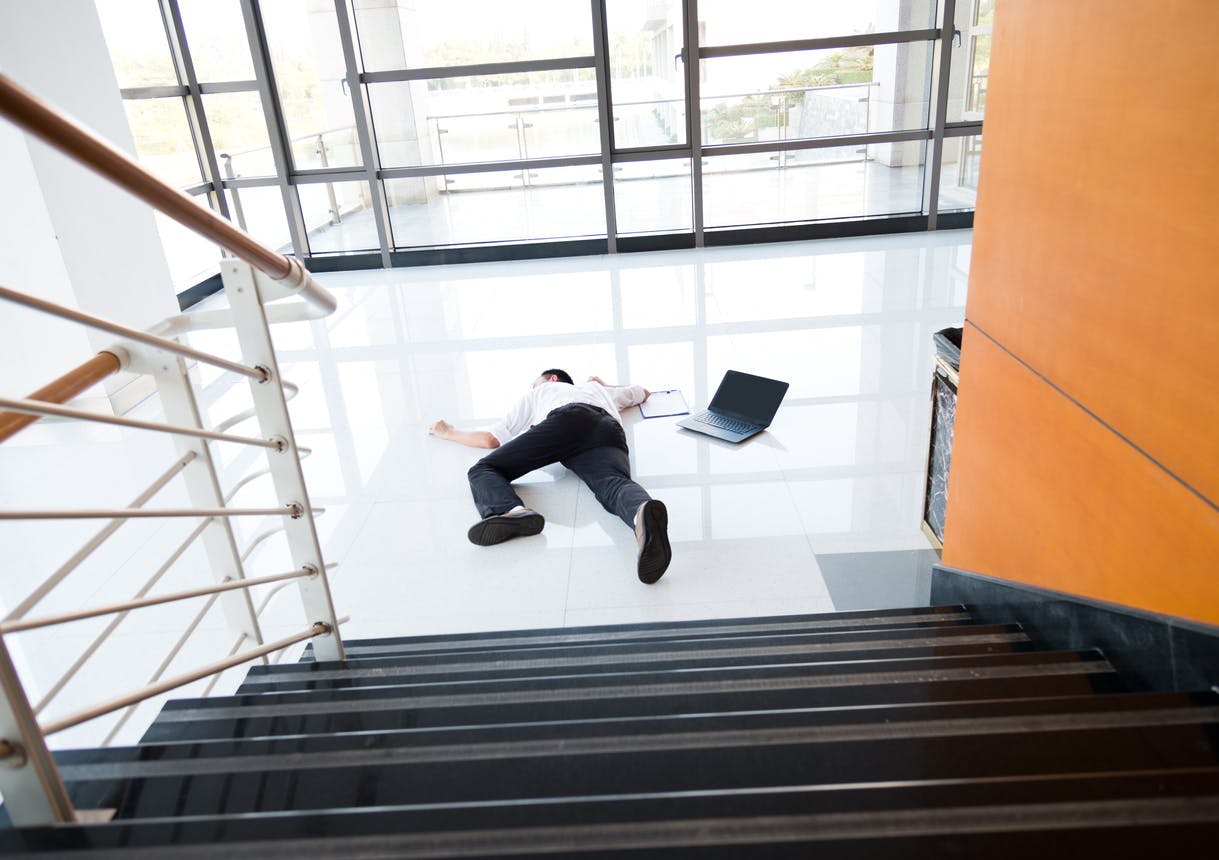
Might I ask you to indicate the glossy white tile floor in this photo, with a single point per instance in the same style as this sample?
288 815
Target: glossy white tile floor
849 323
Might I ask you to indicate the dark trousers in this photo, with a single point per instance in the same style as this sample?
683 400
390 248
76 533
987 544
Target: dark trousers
585 439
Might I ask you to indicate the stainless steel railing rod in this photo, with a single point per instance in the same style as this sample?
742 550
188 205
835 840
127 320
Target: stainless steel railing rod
277 589
127 605
80 661
293 511
97 540
169 658
38 407
147 692
128 332
211 685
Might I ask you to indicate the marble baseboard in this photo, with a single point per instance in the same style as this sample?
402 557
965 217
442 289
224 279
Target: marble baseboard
1154 652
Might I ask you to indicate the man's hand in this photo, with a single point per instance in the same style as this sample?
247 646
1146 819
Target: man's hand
604 384
442 429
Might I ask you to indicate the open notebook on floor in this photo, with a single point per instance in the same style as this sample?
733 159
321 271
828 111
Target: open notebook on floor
743 405
662 403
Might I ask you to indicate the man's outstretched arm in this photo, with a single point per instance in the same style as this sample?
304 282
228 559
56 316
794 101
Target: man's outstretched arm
604 384
473 438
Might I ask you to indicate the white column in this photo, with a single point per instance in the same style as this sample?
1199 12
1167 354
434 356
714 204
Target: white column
65 234
389 30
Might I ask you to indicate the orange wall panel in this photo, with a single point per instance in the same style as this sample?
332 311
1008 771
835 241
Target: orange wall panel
1042 493
1098 214
1086 447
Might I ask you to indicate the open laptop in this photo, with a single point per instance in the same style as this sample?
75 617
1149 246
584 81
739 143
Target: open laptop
743 405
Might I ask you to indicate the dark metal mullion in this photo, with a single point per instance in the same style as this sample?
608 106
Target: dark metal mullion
895 37
931 183
505 68
135 93
694 125
487 166
962 129
181 91
228 87
281 151
205 150
866 139
605 113
362 114
652 153
251 182
328 174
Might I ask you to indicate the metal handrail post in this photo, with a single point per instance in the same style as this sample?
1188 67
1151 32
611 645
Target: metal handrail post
203 489
335 215
33 792
243 284
238 212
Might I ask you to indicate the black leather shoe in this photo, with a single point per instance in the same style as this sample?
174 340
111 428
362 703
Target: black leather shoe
502 527
652 535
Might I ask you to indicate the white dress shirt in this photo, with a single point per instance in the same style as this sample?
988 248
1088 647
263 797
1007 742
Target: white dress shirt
541 400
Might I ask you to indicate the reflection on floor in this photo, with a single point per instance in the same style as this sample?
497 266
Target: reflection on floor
878 580
840 471
821 512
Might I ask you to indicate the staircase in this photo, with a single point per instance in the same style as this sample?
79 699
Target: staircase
911 733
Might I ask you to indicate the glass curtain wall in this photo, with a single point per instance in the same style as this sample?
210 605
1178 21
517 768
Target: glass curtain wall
384 127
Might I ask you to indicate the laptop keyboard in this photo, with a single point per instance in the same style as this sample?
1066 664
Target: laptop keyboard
720 421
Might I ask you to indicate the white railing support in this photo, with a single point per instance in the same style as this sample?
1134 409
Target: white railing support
203 488
33 792
243 285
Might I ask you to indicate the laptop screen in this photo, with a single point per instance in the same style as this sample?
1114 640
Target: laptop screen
753 398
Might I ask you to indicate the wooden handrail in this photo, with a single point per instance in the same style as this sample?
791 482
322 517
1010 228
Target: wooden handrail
72 383
36 117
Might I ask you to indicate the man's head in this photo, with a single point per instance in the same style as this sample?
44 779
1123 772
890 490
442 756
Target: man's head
553 375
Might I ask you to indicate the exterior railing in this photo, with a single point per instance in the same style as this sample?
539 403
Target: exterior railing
764 115
254 276
320 142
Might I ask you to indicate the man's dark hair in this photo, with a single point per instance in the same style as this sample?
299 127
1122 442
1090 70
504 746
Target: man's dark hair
563 375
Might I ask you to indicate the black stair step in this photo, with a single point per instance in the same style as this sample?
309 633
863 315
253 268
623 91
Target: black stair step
855 620
1040 674
675 762
797 648
1111 815
814 639
213 756
646 681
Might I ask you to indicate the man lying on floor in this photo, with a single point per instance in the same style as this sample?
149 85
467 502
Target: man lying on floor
579 426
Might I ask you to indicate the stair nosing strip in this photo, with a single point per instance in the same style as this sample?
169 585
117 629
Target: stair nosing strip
816 709
612 659
630 635
679 794
655 743
747 685
409 685
726 831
